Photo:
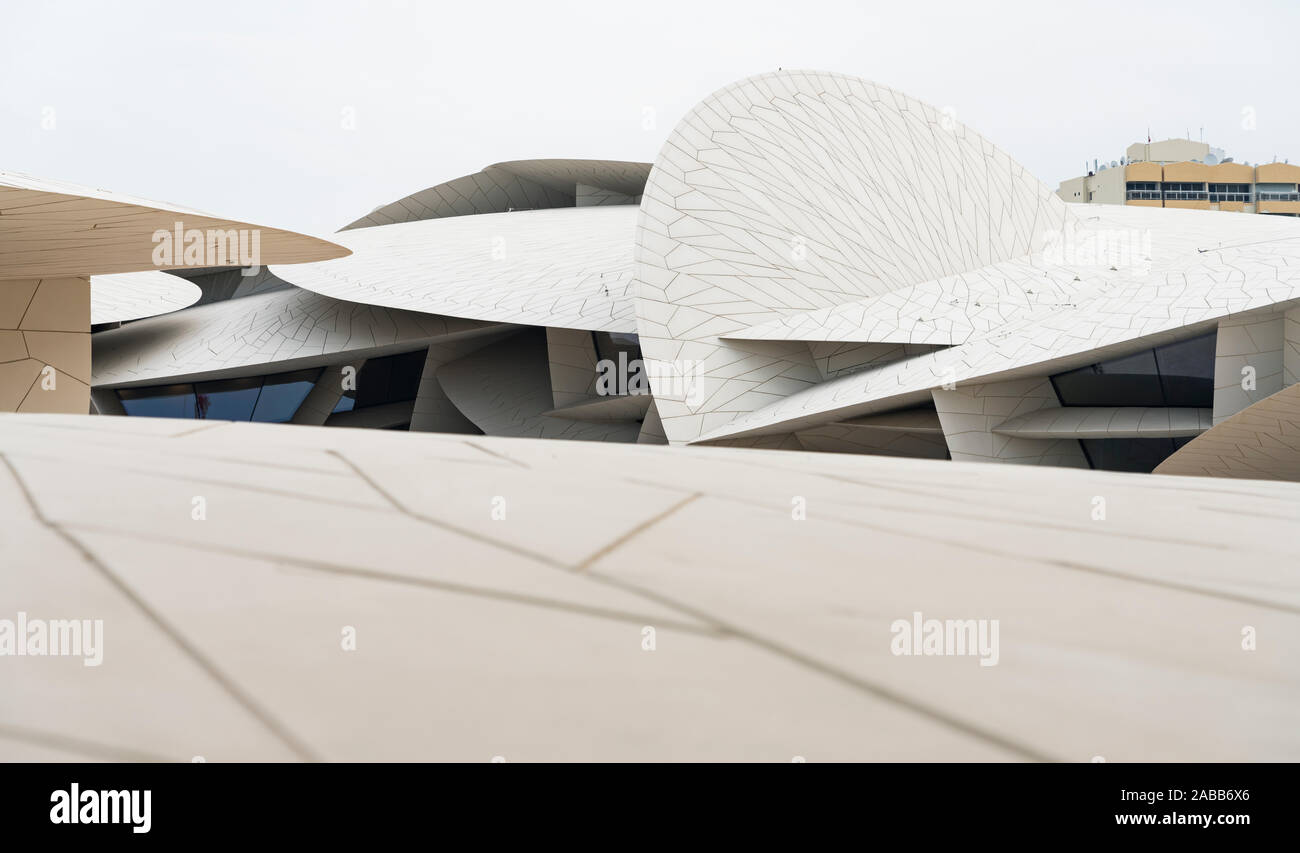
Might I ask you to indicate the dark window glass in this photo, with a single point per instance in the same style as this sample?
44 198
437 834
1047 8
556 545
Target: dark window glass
610 344
1187 372
282 394
391 379
1179 374
231 400
168 401
1129 381
345 403
1140 455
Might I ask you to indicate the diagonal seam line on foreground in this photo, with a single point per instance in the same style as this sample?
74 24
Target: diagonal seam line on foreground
249 704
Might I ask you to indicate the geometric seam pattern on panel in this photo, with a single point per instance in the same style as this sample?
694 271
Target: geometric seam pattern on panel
516 184
45 345
791 192
284 329
136 295
564 267
1261 442
504 389
1203 268
55 229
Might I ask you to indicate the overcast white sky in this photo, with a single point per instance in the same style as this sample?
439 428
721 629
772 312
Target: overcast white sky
236 108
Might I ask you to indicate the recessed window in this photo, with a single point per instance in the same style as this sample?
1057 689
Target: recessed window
610 344
1187 372
167 401
282 394
1129 381
391 379
1179 374
231 400
274 398
1140 455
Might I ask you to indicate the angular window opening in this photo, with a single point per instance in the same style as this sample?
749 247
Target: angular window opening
1179 374
1129 381
270 399
229 400
282 394
1187 372
610 344
164 401
391 379
1136 455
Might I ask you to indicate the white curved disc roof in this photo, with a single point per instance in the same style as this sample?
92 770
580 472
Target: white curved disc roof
567 267
799 191
135 295
281 330
54 229
1204 266
512 185
799 207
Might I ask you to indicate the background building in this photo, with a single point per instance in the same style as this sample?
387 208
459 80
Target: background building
1187 174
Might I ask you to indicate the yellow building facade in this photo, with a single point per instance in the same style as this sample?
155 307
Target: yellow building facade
1175 173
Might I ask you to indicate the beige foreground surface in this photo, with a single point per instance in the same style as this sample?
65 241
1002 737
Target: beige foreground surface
522 637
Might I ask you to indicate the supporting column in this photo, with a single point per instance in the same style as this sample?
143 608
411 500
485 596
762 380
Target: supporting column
45 345
572 357
1252 340
104 401
324 396
968 414
652 429
434 411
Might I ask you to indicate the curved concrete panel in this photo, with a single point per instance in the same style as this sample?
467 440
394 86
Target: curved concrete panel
56 229
798 191
570 268
968 414
45 345
505 389
526 630
1203 267
617 176
282 330
514 185
135 295
625 407
1107 422
1261 442
54 236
